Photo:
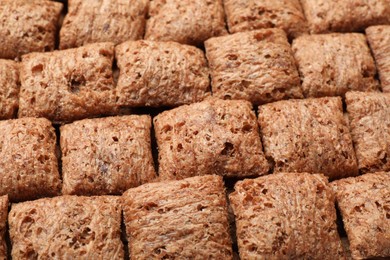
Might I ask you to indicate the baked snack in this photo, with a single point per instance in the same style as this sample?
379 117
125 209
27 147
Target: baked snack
9 88
286 216
247 15
185 21
3 225
379 40
346 15
28 26
257 66
67 227
365 208
178 220
161 74
369 120
28 162
90 21
332 64
106 155
309 135
210 137
68 85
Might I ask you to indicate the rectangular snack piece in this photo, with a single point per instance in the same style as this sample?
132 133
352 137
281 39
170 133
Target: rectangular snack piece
364 203
379 40
161 74
106 155
257 66
185 21
68 85
3 225
9 88
182 219
211 137
332 64
346 15
28 26
247 15
286 216
28 162
369 120
67 227
309 135
90 21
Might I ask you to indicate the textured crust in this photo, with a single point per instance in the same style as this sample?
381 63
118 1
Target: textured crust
28 163
211 137
178 220
364 203
68 85
308 135
161 74
3 225
332 64
346 15
284 215
67 227
106 155
90 21
379 39
369 115
27 26
257 66
247 15
9 88
185 21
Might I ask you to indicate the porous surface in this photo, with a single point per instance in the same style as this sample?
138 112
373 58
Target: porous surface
9 88
286 216
106 155
185 21
309 135
178 220
67 227
257 66
90 21
27 26
28 163
379 40
345 16
161 74
211 137
3 225
364 203
247 15
68 85
369 116
332 64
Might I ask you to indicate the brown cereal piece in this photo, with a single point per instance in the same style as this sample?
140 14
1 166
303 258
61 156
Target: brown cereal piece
309 135
3 225
211 137
9 88
379 40
67 227
185 21
346 15
364 203
161 74
247 15
28 26
28 162
257 66
284 216
178 219
369 119
106 155
332 64
90 21
68 85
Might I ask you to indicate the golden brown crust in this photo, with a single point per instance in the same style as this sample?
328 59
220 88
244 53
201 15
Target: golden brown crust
9 88
3 225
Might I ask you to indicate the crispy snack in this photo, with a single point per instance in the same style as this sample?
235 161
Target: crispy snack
9 88
3 225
